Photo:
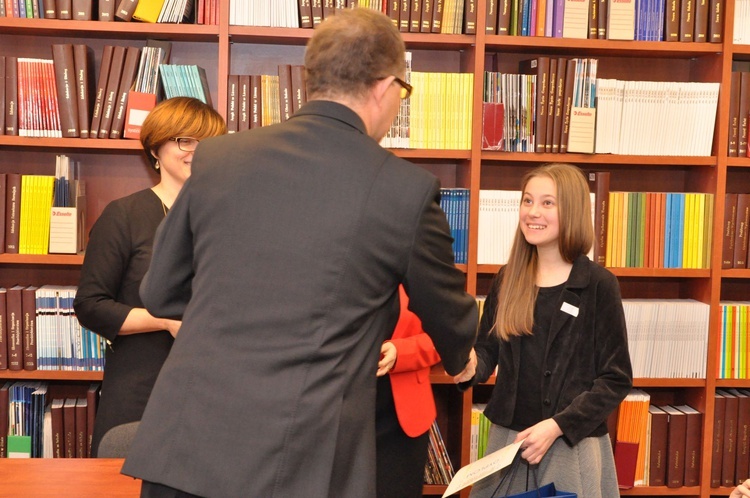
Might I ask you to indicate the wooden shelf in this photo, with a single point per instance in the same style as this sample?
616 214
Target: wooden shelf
117 30
662 491
599 159
594 48
71 143
53 375
42 259
634 272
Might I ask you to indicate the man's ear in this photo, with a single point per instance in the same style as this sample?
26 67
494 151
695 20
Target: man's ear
381 87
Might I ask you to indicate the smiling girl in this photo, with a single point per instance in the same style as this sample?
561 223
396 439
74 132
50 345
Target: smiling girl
553 323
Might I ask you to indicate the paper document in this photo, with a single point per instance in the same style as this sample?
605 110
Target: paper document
482 468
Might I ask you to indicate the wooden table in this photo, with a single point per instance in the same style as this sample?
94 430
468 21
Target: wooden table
65 477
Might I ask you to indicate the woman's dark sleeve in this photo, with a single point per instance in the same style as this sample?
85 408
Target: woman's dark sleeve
104 265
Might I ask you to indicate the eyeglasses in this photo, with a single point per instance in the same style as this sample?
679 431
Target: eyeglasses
186 144
406 88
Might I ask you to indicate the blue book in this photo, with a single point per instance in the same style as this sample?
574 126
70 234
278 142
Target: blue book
668 232
680 229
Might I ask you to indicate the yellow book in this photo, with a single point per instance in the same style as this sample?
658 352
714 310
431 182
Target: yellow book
622 241
25 222
687 231
44 210
608 256
700 233
148 10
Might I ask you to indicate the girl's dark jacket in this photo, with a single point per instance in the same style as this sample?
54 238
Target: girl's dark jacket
586 370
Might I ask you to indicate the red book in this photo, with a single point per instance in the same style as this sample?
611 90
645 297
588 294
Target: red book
717 450
742 465
729 226
82 62
626 458
92 400
4 417
14 313
243 109
11 95
658 446
12 212
3 333
81 412
69 428
492 125
233 83
676 434
728 458
285 91
65 80
740 233
58 430
693 432
101 89
129 70
28 305
299 93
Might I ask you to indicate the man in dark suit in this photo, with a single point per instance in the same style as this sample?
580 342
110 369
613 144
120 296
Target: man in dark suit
283 255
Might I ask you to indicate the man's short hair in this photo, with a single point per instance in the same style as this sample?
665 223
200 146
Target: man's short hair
350 51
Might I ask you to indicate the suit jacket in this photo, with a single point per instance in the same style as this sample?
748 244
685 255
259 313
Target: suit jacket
283 254
587 371
410 377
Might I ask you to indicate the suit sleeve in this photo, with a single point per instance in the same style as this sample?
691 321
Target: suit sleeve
166 288
436 287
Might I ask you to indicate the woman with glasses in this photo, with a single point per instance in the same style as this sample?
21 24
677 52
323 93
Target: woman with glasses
118 255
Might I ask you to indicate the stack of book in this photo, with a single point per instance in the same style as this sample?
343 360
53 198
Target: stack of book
739 115
455 204
46 97
667 338
734 346
262 100
730 459
639 117
185 81
439 468
661 20
44 422
43 333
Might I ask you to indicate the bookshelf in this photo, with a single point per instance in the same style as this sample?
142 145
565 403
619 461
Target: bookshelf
114 168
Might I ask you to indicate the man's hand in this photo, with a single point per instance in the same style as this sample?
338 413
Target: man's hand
469 370
388 355
741 491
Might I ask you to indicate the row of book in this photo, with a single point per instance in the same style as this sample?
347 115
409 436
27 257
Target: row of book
539 105
41 214
38 422
667 338
657 445
455 204
730 461
640 117
262 100
648 20
735 225
659 230
166 11
417 16
739 114
439 467
734 347
479 432
39 331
